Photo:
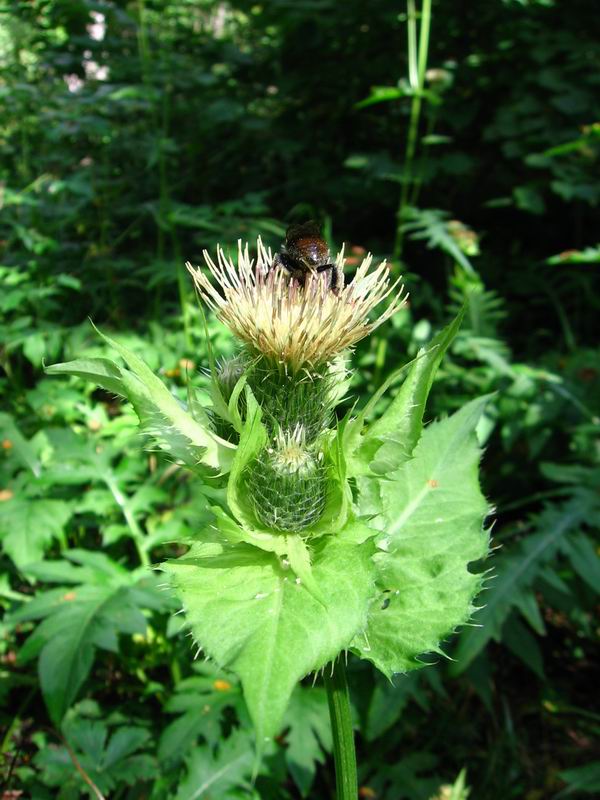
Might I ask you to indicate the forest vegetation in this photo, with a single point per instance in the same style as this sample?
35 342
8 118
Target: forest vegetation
464 147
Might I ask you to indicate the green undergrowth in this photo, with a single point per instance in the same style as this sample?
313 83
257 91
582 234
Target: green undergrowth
217 123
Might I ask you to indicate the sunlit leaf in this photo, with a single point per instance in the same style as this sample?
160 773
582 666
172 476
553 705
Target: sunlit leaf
431 517
252 615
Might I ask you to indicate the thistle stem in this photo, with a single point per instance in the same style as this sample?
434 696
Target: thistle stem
344 752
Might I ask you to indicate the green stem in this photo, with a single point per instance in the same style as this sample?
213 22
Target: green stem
418 182
417 61
424 40
413 67
136 532
341 727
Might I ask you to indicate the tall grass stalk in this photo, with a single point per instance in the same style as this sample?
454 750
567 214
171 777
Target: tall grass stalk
417 66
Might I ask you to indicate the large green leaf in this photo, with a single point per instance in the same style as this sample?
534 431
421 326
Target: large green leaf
432 511
28 526
161 415
252 614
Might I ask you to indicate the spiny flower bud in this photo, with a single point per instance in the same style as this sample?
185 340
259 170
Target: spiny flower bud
287 483
287 400
229 371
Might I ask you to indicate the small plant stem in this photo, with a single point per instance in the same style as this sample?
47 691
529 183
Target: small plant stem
96 791
424 40
344 752
418 181
135 530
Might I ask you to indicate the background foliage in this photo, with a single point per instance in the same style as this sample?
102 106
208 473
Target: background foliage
135 134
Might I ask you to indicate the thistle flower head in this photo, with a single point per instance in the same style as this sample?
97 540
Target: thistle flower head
295 324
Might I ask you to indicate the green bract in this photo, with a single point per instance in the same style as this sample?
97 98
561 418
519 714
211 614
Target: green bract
250 611
379 563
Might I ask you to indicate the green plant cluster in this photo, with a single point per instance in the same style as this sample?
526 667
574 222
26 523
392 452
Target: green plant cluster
214 122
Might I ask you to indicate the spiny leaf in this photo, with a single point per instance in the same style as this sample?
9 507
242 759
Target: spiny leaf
351 427
160 413
101 371
431 517
156 406
250 613
402 423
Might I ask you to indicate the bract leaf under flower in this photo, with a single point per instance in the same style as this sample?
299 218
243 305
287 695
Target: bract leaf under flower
252 615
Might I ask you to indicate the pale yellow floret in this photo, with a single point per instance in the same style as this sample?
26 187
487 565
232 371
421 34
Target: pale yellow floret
289 454
297 325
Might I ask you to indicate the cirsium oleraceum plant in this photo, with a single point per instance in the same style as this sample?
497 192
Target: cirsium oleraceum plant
335 535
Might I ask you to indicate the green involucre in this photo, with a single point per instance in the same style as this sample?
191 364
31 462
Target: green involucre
255 506
287 496
307 398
